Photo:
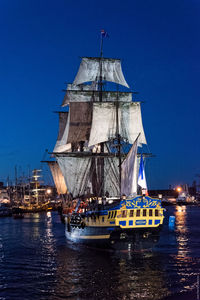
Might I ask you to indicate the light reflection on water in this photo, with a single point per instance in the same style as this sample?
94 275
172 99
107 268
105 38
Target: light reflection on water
182 231
186 233
36 262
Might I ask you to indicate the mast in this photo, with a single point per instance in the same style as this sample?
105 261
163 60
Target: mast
100 100
100 76
16 184
36 183
118 137
29 185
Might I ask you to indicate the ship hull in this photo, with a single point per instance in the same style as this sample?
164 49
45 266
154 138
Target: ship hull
116 238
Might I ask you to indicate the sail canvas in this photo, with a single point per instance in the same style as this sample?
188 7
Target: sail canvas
129 167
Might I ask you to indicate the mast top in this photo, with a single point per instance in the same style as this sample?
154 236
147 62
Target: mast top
103 35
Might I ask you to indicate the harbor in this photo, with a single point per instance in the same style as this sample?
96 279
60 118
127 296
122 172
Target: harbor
29 195
36 262
99 150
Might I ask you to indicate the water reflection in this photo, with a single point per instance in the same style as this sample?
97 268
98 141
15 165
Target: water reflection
104 275
185 263
182 231
37 262
181 214
1 250
48 239
142 278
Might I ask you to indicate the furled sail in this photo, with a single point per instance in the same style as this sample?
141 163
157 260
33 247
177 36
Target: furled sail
81 87
92 96
89 70
76 92
104 122
128 172
76 172
61 144
58 177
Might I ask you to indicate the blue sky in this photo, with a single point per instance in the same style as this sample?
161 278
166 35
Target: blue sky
159 43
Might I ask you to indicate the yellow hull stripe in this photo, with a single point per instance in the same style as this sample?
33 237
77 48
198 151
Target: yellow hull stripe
94 237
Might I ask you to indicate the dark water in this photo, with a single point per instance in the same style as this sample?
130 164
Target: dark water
36 262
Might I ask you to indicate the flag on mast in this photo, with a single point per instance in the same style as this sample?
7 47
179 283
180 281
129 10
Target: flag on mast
104 33
141 177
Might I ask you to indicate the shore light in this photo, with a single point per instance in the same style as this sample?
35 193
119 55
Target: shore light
179 189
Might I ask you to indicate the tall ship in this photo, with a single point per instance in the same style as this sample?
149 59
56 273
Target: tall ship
98 165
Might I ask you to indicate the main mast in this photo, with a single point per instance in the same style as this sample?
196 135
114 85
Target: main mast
118 138
100 100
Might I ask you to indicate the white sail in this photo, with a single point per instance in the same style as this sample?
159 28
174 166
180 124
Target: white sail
75 93
92 96
104 122
89 70
111 176
62 147
61 144
76 171
58 177
131 122
91 122
128 172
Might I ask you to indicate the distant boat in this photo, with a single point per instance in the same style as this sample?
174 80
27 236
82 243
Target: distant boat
4 197
97 154
184 198
30 195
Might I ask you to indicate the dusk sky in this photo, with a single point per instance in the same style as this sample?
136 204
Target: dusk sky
159 44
